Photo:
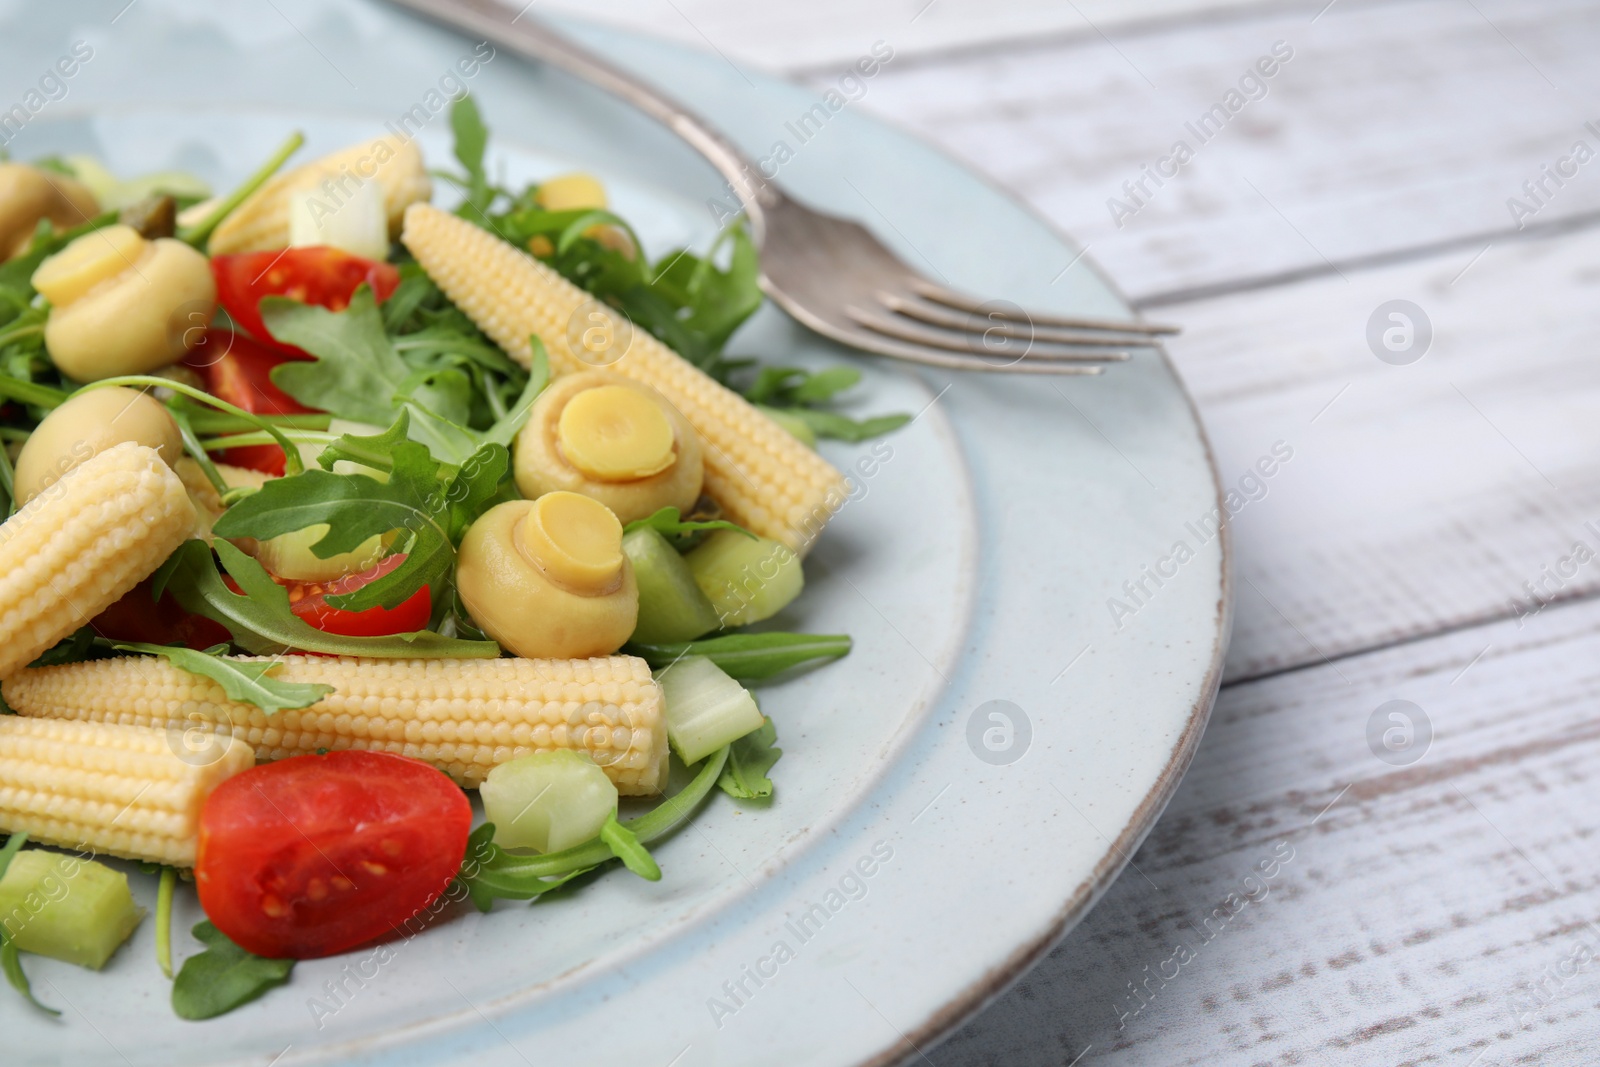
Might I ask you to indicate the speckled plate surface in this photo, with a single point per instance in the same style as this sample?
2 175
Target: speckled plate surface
953 796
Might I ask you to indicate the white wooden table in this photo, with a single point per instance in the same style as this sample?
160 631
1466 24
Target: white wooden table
1432 539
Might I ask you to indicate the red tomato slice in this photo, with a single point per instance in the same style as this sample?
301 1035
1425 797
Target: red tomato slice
316 855
139 617
238 369
327 277
310 603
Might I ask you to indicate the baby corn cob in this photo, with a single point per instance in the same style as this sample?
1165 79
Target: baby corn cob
763 478
261 223
117 790
82 543
463 716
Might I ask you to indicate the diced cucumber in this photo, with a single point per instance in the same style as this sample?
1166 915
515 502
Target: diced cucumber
797 427
66 908
745 579
671 606
548 801
706 709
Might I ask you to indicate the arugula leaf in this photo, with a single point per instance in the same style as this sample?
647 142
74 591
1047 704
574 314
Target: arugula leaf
472 138
356 374
749 657
223 977
476 488
261 622
248 683
667 523
505 430
829 424
72 649
356 507
749 760
625 845
10 960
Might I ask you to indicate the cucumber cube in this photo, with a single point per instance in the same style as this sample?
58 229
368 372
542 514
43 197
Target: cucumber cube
745 579
66 908
671 606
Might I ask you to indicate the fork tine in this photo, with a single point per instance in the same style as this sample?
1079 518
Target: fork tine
930 357
940 315
970 342
961 302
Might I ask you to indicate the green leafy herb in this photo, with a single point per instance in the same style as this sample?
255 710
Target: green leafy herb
472 138
248 683
795 392
491 873
749 760
260 619
625 845
223 977
10 958
356 374
73 649
429 503
200 233
749 657
667 523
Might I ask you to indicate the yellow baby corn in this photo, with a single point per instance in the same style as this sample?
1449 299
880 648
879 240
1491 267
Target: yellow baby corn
83 542
763 478
262 221
463 716
116 790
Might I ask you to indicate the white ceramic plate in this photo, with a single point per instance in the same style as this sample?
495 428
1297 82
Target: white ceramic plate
914 862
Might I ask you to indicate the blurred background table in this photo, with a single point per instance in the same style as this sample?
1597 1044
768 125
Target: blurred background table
1431 539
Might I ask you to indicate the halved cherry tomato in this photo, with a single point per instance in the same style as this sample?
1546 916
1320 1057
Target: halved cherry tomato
238 369
310 603
316 855
139 617
327 277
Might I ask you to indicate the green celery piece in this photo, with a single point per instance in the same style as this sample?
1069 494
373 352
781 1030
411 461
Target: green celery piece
746 580
490 873
223 977
248 683
671 605
749 657
705 709
67 908
749 760
548 801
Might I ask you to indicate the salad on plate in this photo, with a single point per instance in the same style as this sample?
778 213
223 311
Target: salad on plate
329 509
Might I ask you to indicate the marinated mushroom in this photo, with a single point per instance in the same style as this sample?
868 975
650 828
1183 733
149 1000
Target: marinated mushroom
88 424
547 578
122 304
613 440
28 194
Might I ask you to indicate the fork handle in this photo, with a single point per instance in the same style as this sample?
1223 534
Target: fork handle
534 39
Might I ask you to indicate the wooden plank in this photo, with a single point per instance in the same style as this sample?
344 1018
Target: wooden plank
1420 497
1393 125
788 37
1424 913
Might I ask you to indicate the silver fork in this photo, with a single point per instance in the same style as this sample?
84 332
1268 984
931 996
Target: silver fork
830 273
